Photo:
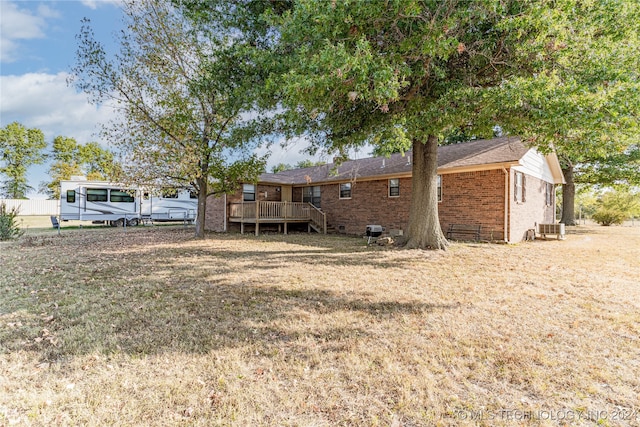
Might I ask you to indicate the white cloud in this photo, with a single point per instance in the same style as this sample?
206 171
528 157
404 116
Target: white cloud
46 12
94 4
19 24
44 101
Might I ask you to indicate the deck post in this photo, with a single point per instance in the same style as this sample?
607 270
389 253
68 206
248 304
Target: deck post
285 227
257 228
241 227
324 226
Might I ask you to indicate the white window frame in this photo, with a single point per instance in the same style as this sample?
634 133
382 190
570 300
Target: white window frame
439 187
519 189
248 189
397 186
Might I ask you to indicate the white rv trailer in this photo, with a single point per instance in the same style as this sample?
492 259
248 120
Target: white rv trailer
170 204
112 203
95 201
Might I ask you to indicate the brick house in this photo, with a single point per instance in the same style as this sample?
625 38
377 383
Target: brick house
499 184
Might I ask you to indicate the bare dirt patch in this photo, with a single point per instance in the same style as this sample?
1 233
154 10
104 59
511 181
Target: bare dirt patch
152 327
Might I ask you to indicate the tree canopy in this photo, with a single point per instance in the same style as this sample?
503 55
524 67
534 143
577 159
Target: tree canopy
20 147
403 74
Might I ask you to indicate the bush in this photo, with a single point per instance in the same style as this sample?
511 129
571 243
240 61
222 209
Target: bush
609 216
8 225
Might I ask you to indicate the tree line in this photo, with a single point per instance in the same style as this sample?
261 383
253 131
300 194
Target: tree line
22 147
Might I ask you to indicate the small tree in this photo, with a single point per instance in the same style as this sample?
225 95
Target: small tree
8 225
617 206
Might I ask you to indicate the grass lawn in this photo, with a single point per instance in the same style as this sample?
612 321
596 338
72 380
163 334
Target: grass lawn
151 327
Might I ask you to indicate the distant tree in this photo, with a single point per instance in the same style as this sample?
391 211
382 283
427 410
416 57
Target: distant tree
181 91
309 163
281 167
616 206
19 148
98 163
70 158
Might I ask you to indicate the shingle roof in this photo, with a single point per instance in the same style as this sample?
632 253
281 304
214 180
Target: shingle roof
478 154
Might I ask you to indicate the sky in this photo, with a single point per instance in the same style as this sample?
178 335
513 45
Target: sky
37 51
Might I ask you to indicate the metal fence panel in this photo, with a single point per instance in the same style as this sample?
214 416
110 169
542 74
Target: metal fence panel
32 207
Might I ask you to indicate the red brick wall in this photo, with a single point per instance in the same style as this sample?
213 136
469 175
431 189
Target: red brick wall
369 204
467 198
215 214
474 198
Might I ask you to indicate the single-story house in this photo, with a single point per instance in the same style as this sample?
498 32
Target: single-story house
500 184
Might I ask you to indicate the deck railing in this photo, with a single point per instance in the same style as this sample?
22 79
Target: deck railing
278 211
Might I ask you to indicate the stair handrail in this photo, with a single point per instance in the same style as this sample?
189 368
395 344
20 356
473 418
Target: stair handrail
317 216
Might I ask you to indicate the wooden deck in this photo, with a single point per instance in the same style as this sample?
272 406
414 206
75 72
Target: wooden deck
277 213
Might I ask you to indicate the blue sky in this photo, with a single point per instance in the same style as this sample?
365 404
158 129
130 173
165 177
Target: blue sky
37 51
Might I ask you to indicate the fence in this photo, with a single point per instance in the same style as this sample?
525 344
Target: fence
32 207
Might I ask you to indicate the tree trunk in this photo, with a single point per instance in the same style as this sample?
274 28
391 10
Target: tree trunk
202 206
568 197
424 231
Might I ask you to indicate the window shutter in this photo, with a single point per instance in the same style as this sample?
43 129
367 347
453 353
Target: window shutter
524 188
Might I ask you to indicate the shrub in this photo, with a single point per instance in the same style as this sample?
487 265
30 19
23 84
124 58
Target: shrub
609 216
8 225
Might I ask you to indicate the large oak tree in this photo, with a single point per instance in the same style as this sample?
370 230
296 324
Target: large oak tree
404 73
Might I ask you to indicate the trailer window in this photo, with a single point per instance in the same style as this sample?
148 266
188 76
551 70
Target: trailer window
71 196
96 194
169 193
121 196
193 194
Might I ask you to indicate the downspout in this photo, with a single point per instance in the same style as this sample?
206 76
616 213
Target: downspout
506 205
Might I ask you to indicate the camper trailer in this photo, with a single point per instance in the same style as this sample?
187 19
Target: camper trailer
99 201
117 205
169 204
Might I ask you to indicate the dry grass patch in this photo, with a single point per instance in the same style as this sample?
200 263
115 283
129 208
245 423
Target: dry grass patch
151 327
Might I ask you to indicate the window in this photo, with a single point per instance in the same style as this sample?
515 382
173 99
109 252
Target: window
248 192
71 196
311 195
193 194
96 194
439 185
345 190
121 196
394 187
169 193
549 193
519 187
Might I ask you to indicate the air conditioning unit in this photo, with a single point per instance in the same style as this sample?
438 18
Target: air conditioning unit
557 229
